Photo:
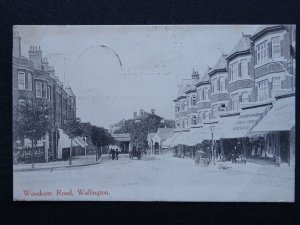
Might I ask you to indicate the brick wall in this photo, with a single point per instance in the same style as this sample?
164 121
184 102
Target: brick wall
240 84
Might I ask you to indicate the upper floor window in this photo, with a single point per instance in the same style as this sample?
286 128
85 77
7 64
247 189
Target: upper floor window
233 71
262 90
44 90
244 68
29 81
193 100
38 89
49 93
276 83
21 80
205 96
245 96
214 85
275 47
178 124
194 120
222 83
214 111
235 102
261 53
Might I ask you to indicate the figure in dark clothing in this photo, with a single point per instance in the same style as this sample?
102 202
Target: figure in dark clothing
117 154
112 154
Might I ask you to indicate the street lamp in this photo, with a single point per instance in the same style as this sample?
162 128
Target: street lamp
212 129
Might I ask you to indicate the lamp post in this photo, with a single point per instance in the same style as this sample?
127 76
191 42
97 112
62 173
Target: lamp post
212 128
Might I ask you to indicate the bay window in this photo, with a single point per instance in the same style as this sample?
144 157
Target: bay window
244 68
261 53
222 83
38 89
275 47
245 97
262 90
44 90
29 81
235 102
21 81
276 83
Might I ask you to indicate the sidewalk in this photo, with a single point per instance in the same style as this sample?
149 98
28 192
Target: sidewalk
77 161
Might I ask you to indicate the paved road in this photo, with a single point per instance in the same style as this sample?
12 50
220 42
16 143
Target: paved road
157 178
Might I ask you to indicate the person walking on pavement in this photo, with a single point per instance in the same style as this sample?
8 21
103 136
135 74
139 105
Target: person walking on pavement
117 153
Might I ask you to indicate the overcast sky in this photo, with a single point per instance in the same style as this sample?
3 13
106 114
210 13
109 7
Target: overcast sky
115 70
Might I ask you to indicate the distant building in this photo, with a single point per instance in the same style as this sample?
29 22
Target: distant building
155 140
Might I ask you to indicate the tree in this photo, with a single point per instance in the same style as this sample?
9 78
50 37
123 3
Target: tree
32 121
72 127
139 130
100 137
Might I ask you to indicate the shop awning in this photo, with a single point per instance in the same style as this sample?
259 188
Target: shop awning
248 118
182 138
280 118
66 141
167 142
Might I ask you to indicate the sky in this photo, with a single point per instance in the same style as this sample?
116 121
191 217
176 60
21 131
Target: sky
116 70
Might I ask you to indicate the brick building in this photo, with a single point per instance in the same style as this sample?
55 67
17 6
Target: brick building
34 78
246 83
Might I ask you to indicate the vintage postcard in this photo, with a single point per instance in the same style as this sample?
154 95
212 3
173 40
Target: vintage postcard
154 113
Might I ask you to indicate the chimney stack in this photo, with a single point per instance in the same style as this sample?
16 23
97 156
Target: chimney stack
45 64
195 74
134 114
153 111
35 55
141 112
16 45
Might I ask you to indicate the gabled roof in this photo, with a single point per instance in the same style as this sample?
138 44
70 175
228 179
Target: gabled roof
242 46
220 65
150 135
163 133
69 91
185 84
264 28
192 87
204 78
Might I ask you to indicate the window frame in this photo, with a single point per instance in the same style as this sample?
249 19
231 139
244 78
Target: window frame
38 87
23 87
29 81
277 45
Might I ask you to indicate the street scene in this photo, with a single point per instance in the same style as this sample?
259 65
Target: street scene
154 113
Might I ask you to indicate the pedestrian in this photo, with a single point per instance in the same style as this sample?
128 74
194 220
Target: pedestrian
112 154
117 154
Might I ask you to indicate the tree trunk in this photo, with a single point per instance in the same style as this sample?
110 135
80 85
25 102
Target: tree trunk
32 154
70 157
96 153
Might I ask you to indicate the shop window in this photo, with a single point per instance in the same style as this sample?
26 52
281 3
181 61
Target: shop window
222 107
275 47
38 89
21 80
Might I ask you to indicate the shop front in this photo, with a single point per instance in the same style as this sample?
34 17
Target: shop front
236 142
274 136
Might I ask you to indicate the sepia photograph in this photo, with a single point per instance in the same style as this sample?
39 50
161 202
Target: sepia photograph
176 113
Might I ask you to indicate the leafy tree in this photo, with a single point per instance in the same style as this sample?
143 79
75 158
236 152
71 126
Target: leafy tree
32 121
100 137
139 130
72 127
